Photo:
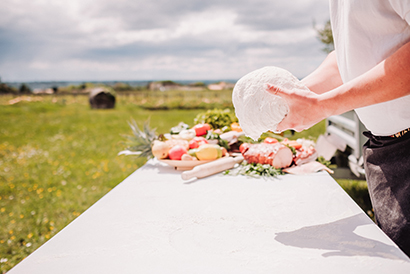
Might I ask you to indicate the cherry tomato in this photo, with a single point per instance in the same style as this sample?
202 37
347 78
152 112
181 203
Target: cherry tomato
270 140
201 129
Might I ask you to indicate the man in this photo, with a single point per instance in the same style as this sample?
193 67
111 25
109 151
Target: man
369 71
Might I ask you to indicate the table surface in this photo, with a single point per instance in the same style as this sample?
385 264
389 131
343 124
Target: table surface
154 222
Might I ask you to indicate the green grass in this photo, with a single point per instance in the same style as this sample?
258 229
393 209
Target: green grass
58 157
357 190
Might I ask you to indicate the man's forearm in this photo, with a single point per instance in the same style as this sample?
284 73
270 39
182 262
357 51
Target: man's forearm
326 77
388 80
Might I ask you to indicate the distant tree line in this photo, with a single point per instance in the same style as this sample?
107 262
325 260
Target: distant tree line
5 89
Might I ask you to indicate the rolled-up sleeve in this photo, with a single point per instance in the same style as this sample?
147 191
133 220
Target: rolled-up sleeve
402 7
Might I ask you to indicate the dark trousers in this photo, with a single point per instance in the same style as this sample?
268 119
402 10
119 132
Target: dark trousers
387 165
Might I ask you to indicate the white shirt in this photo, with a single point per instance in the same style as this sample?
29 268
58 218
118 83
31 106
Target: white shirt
365 33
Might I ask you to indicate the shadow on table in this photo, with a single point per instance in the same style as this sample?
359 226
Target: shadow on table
339 238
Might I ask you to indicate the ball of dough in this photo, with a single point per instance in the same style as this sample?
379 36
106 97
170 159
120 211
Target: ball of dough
258 110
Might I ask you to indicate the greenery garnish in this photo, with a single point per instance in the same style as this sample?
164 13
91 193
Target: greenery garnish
216 118
177 129
255 170
323 161
245 139
215 136
292 149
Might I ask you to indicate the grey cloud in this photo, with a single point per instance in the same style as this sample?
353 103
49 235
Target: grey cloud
274 15
150 14
53 36
262 14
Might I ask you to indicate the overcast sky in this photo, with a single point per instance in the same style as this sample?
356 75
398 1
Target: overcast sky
80 40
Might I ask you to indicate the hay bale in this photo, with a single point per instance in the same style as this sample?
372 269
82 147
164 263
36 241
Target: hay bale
102 98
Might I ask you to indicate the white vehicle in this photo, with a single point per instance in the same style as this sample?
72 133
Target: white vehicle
345 133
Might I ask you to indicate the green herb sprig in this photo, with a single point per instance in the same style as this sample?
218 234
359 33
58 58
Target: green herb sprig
255 170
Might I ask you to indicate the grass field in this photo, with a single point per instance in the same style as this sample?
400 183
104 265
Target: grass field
58 157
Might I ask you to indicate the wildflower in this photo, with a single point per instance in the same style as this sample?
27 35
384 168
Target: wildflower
30 235
96 175
3 260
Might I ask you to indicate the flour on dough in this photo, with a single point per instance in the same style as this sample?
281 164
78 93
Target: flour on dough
258 110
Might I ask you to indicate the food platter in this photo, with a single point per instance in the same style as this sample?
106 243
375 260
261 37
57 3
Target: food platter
183 165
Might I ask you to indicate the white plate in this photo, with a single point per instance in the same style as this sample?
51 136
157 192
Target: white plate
183 165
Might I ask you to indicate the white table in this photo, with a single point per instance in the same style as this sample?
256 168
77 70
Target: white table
154 222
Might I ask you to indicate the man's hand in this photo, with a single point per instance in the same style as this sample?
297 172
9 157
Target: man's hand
305 108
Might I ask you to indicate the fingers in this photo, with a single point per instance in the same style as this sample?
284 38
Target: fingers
286 124
293 100
282 126
276 90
